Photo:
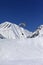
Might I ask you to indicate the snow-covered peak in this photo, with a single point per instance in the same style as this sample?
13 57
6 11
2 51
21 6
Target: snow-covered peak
13 31
5 25
38 32
40 27
7 22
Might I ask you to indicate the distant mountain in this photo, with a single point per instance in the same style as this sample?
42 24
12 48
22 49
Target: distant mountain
38 32
12 31
26 49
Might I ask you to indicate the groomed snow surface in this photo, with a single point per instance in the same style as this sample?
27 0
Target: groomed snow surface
21 51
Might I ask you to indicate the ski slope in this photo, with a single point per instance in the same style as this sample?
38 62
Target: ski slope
21 51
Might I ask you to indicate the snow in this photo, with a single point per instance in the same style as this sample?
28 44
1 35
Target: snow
21 51
38 32
13 31
19 46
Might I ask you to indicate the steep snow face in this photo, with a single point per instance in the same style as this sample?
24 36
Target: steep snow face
38 32
13 31
40 29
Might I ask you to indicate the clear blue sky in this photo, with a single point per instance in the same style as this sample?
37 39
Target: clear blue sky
17 11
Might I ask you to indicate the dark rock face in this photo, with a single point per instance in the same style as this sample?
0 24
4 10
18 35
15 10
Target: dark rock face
35 34
2 37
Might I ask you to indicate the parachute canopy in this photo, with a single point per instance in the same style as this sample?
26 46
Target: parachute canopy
22 24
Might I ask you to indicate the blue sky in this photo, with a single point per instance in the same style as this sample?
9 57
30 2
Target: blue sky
17 11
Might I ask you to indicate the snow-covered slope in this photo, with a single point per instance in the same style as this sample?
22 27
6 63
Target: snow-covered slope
13 31
21 51
38 32
26 49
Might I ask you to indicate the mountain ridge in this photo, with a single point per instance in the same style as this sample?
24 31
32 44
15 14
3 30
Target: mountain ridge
13 31
10 30
38 32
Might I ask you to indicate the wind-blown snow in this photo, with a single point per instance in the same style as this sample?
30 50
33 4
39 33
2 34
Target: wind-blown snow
21 51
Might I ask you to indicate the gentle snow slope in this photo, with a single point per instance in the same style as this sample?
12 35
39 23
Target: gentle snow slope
21 52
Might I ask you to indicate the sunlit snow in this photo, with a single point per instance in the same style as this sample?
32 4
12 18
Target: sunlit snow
19 46
21 51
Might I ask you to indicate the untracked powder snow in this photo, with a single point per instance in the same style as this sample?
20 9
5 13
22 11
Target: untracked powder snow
21 51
